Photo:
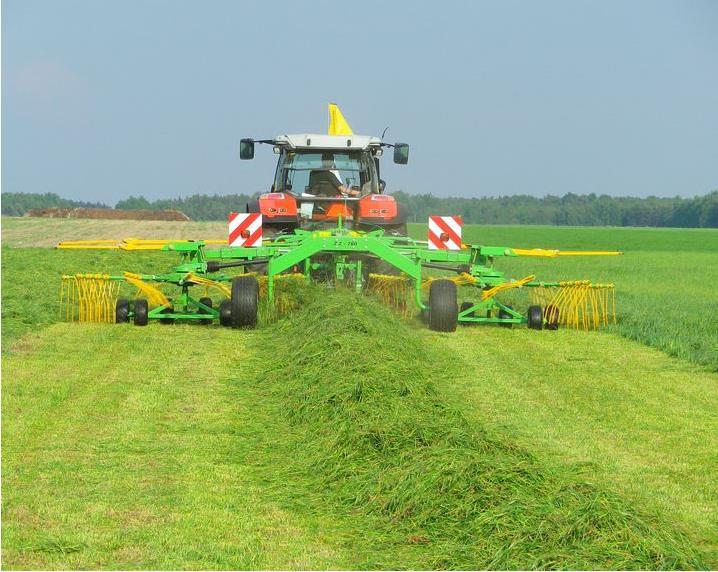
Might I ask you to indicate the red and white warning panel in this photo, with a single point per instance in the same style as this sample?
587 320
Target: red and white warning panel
245 229
445 232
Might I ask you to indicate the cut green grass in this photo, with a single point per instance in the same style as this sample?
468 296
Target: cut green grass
321 441
207 468
118 453
641 422
378 439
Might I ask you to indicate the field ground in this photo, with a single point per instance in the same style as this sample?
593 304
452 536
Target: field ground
118 453
665 282
47 232
642 422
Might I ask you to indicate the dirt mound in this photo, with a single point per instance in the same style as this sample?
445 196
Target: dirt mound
114 214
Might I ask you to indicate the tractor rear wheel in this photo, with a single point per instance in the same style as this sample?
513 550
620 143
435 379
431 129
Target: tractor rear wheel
225 313
207 302
444 311
122 311
245 300
535 317
142 308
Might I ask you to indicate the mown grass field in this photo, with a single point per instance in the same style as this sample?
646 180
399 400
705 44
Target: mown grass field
345 437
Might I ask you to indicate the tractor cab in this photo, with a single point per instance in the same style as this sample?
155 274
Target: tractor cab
336 171
322 178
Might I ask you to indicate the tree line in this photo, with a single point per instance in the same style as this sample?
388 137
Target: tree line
17 204
570 209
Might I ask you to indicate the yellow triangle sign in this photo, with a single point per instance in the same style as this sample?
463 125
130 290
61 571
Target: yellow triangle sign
337 124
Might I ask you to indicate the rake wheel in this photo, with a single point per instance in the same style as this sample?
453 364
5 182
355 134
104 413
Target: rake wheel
245 299
225 313
551 315
535 318
504 314
207 302
142 308
444 311
122 311
167 320
465 306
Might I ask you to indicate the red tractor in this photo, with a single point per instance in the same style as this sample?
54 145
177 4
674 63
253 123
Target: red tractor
321 178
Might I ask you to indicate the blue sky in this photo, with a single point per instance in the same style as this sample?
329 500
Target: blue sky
104 99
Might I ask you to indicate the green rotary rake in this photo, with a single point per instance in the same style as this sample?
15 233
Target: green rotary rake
403 272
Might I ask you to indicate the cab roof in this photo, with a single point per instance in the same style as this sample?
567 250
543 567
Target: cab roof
320 141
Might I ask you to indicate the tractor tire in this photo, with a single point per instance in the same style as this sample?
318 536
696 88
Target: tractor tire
207 302
225 313
504 314
551 314
142 308
535 318
444 310
122 311
245 300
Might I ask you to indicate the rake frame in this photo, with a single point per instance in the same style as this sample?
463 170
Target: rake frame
343 254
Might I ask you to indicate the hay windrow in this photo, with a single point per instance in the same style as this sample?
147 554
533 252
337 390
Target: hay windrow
375 439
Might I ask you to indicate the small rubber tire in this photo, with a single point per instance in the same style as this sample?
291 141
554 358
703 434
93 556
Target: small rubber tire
535 318
142 309
444 310
465 306
122 311
207 302
167 320
504 314
225 313
245 302
551 314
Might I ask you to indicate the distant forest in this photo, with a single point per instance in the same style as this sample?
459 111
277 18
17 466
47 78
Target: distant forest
570 209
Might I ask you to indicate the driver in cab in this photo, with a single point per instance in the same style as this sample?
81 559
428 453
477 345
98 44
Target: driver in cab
328 181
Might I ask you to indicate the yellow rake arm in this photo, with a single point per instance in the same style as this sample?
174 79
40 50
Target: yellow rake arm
153 294
546 253
506 286
128 244
89 245
207 283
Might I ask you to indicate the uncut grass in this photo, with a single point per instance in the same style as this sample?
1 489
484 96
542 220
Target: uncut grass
32 277
31 281
377 440
666 294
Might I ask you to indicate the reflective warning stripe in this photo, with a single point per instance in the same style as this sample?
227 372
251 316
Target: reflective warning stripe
445 232
245 229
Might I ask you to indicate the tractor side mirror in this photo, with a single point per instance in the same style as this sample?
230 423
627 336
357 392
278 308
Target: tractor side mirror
246 149
401 153
382 185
